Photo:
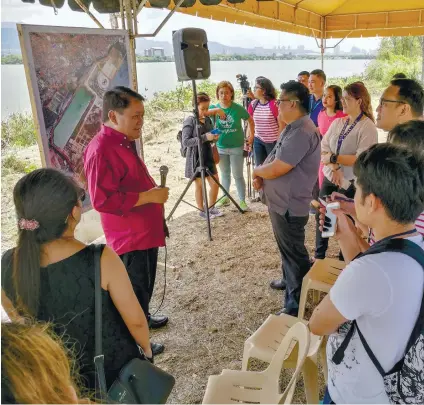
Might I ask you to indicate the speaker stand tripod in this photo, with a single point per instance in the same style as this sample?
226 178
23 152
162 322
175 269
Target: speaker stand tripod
203 170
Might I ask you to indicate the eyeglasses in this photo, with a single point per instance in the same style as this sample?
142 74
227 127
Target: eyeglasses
280 100
384 100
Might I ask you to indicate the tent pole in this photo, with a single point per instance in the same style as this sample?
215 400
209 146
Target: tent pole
322 44
87 11
129 12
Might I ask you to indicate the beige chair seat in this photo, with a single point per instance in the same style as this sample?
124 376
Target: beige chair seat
321 277
264 343
261 387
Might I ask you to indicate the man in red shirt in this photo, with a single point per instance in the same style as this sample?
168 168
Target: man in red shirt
128 199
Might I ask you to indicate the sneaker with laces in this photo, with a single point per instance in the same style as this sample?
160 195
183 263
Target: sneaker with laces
202 214
243 205
216 212
222 202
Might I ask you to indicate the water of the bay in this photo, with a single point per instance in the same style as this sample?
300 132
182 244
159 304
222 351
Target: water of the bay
155 77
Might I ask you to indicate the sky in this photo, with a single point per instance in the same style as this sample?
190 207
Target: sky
225 33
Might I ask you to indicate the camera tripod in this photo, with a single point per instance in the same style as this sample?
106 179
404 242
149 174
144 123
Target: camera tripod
203 170
250 160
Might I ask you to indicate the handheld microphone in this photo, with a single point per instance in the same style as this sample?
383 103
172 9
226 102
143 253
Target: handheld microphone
163 173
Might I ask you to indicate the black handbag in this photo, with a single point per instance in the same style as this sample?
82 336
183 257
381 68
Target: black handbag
139 381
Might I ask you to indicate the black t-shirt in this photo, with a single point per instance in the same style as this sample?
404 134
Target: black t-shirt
67 300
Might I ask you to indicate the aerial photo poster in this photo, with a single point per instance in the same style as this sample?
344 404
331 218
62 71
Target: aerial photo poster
68 71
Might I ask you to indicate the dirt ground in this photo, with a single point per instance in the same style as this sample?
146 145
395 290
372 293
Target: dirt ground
217 292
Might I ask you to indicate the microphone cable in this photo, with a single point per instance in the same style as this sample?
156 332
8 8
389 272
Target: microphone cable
164 284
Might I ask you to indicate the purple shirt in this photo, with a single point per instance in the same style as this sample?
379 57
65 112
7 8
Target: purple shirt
116 175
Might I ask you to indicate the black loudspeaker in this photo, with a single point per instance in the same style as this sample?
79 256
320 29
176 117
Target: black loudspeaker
191 54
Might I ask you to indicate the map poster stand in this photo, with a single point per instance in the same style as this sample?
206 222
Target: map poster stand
68 71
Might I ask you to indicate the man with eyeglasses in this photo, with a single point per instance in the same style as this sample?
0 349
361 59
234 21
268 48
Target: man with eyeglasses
401 102
285 181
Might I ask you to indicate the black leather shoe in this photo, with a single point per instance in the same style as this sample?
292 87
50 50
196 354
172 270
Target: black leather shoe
157 348
278 284
156 322
286 311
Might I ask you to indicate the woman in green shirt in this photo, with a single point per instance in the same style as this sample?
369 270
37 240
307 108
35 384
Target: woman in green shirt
231 140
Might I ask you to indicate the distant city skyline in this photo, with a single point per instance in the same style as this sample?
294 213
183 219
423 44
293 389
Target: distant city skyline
228 34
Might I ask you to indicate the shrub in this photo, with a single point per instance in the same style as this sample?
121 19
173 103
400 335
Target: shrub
18 130
12 164
382 70
181 98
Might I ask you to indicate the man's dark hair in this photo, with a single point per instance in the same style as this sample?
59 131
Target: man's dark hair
303 73
412 93
395 175
297 90
409 134
399 76
118 99
320 73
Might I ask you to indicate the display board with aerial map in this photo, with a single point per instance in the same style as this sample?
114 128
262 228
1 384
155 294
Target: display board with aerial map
68 71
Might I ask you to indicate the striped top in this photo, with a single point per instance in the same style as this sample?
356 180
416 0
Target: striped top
266 123
419 224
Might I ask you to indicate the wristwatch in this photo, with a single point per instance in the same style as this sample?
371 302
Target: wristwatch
333 158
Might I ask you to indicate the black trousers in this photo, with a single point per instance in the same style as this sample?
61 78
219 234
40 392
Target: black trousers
289 232
321 244
141 266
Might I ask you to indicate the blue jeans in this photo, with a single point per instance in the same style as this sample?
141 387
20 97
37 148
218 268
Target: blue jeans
262 150
327 398
231 160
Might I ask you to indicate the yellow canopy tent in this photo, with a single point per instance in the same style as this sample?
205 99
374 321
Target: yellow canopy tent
322 18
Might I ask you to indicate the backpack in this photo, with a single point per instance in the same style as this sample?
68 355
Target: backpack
404 383
183 149
255 104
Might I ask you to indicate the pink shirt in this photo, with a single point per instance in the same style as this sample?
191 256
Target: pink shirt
116 175
324 121
266 122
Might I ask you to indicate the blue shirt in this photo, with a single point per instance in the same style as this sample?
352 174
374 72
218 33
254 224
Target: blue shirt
315 106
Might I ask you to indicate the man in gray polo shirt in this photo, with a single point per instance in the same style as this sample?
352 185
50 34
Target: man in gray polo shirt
286 180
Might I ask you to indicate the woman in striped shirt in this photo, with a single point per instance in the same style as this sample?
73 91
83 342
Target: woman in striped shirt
264 112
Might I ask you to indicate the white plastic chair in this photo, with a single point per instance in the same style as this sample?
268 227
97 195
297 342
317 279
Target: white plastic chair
321 277
261 387
264 343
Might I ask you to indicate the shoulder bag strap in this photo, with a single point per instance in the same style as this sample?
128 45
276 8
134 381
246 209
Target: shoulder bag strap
415 252
99 361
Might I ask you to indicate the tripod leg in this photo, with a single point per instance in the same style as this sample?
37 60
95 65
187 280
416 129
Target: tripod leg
224 190
181 196
205 202
249 178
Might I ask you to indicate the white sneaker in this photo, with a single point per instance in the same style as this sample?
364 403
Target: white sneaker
215 212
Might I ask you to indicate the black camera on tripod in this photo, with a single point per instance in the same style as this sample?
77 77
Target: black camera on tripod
244 83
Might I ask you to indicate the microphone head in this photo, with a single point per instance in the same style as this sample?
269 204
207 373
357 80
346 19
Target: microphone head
163 170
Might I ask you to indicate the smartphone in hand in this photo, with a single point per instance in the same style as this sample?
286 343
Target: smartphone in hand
216 131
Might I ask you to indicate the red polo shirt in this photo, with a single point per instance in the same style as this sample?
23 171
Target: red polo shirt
116 175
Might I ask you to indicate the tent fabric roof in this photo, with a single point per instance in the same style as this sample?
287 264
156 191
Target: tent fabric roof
316 18
326 18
